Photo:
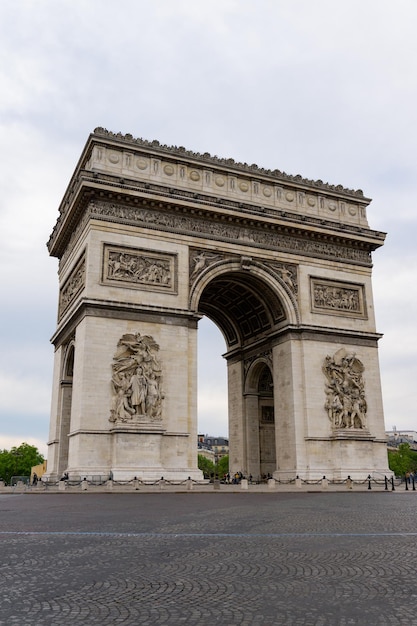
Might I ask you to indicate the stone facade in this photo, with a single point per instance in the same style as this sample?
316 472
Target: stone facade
149 239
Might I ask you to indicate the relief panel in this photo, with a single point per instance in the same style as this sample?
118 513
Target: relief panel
139 269
74 284
337 298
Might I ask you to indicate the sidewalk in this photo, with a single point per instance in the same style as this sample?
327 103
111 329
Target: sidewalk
133 486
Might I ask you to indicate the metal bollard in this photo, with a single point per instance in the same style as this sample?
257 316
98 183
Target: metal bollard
392 483
369 481
386 483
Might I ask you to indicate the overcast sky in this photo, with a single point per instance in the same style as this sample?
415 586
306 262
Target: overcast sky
319 88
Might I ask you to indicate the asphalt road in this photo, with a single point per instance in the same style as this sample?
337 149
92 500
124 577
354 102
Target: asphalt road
311 559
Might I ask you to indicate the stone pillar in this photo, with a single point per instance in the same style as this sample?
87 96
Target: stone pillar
288 408
252 461
237 421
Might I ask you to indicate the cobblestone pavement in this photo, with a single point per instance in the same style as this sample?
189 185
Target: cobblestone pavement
312 559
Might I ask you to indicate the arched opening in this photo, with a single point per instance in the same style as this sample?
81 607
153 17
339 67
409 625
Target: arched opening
65 408
248 312
266 418
243 306
212 380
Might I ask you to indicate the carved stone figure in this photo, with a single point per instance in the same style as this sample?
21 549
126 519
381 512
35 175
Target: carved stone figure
139 392
201 260
136 380
345 391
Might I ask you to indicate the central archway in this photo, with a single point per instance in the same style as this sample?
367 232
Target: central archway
212 417
249 312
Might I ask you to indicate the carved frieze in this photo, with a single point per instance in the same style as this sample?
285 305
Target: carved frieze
345 391
337 298
136 381
140 269
74 284
254 236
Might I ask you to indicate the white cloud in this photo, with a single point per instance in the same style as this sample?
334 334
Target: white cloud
10 441
24 394
319 88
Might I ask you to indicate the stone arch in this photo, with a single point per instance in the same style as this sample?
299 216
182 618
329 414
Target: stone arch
259 397
245 302
65 402
281 264
254 372
68 362
252 270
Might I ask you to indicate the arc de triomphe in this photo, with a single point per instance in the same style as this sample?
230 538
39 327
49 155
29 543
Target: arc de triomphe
150 238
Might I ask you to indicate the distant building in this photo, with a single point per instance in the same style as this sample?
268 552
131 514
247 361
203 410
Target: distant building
219 446
208 453
39 470
396 437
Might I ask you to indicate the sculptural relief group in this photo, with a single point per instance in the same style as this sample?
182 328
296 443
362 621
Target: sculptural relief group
345 391
136 380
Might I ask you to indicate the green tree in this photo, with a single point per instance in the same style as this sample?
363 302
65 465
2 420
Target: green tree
206 466
402 460
19 461
222 466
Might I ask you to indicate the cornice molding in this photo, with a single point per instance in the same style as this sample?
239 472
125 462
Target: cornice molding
202 211
206 158
85 307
